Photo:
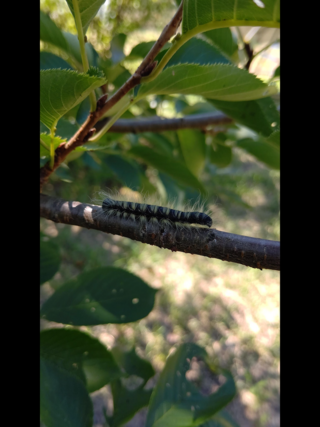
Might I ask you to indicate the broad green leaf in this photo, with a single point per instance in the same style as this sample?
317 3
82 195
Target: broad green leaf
172 189
61 90
45 141
48 61
126 403
50 33
168 165
74 49
220 154
221 82
274 139
126 171
64 400
203 15
88 10
199 108
176 401
50 260
260 115
132 364
116 47
159 142
82 355
193 147
100 296
198 50
223 39
221 419
65 41
263 151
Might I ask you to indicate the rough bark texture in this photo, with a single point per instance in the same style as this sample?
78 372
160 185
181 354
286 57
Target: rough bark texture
249 251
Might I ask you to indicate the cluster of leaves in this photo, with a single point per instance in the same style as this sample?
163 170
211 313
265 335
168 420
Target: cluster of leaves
203 63
73 364
209 58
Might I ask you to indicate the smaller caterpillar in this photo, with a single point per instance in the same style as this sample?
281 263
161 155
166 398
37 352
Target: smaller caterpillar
151 213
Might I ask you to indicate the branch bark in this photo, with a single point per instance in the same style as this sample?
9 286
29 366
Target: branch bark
249 251
158 124
87 129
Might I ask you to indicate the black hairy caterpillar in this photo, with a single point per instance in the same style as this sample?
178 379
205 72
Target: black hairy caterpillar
153 213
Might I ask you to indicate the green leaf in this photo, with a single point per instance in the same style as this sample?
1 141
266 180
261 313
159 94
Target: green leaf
223 39
132 364
45 141
61 90
221 419
73 47
200 51
65 41
260 115
176 401
126 170
193 147
159 142
80 354
64 400
116 47
274 139
126 403
48 61
168 165
222 82
263 151
50 260
50 33
220 154
100 296
203 15
88 10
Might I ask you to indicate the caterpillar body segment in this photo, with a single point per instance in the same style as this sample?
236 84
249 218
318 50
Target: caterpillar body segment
151 213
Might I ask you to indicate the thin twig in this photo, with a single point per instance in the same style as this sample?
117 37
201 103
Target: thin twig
249 52
159 124
249 251
82 135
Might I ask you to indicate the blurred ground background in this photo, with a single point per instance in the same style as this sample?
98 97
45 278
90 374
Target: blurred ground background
230 310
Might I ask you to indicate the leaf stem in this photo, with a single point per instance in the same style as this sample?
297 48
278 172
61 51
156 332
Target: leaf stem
85 62
52 132
122 110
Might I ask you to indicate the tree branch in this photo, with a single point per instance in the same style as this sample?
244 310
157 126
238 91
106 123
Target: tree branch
249 251
87 130
249 52
159 124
